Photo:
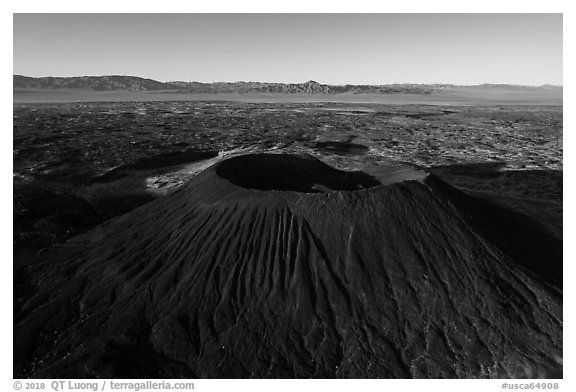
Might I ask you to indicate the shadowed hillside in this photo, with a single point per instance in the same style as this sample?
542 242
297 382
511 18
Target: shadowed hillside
281 266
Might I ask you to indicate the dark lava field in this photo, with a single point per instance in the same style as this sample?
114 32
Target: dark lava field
77 165
230 239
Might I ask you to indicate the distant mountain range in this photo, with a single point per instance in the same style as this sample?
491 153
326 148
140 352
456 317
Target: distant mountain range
134 83
96 83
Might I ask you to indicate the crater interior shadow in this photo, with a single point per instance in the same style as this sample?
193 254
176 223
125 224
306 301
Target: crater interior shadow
291 173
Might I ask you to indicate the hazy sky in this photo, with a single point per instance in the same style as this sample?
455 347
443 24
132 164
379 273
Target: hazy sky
328 48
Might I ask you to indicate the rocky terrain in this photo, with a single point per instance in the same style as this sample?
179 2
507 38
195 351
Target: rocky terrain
274 265
450 215
96 153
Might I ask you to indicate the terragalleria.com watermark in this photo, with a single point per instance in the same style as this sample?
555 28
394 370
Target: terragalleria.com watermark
104 385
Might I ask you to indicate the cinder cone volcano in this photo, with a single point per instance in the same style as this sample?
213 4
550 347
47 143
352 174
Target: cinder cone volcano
281 266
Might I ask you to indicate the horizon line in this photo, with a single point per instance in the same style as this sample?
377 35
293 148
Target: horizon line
309 80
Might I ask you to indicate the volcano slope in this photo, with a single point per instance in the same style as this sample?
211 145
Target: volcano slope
281 266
